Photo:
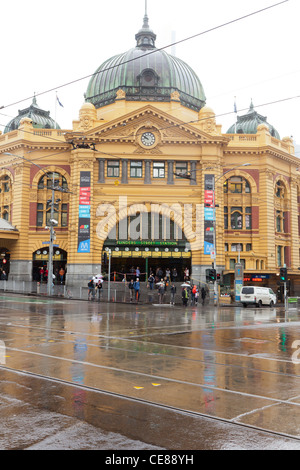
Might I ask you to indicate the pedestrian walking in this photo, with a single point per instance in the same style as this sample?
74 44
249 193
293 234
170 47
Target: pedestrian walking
174 275
203 295
91 293
136 286
173 293
196 296
131 289
185 296
151 280
61 275
161 291
193 293
99 289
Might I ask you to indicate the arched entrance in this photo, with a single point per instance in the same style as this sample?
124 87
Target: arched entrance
40 262
162 249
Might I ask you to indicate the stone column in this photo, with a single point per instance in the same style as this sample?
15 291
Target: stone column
147 178
124 179
170 172
193 180
101 177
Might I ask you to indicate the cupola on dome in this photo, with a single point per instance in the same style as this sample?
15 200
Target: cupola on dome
248 123
145 73
40 119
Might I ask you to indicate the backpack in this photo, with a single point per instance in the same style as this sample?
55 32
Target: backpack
194 290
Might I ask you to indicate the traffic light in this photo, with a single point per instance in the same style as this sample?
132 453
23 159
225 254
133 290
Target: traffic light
104 259
283 274
212 274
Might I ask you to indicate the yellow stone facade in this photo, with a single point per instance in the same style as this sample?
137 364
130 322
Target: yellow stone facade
113 133
118 186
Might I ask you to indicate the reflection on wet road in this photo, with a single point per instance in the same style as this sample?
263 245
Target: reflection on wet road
233 364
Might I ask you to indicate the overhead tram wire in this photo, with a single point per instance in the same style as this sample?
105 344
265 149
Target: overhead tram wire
151 52
165 127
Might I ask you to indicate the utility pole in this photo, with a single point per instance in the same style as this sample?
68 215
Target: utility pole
52 222
109 265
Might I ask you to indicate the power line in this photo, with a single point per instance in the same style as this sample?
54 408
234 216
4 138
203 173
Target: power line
150 52
164 128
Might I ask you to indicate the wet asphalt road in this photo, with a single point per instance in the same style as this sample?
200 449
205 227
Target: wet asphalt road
83 375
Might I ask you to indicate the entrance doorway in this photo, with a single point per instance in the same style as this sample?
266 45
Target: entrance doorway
40 264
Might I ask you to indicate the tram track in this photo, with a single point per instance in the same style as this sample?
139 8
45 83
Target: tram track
141 401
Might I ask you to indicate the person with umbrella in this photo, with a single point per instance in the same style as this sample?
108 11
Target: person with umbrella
185 296
161 290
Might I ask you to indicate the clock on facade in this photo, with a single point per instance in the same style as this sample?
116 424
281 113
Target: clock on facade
148 139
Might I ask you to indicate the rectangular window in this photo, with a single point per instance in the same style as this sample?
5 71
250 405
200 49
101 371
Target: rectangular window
39 215
236 247
279 255
232 263
225 217
136 169
181 168
158 170
64 215
248 246
236 217
113 168
248 218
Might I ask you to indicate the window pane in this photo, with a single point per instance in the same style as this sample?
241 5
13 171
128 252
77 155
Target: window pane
158 170
39 219
113 168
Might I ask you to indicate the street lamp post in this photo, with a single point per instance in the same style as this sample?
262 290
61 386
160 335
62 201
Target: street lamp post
216 299
214 256
52 221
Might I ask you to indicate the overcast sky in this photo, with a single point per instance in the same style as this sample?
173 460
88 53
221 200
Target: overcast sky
48 44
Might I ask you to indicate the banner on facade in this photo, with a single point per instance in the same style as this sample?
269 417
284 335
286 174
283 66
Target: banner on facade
209 214
84 216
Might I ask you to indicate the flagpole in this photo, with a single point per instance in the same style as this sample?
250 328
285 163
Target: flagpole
235 110
55 109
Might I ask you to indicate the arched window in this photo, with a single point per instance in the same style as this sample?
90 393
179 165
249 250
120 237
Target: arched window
280 189
60 210
5 197
237 184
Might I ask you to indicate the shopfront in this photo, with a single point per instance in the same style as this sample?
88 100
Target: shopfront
148 256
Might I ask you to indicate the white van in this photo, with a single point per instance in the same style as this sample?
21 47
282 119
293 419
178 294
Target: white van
253 295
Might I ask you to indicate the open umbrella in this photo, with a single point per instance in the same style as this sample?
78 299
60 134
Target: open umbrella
185 284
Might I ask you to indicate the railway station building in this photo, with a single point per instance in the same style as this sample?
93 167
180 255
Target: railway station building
147 175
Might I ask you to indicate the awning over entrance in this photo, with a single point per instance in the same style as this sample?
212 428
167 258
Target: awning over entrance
8 231
148 249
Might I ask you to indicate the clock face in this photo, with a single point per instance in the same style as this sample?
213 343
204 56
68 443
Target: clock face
148 139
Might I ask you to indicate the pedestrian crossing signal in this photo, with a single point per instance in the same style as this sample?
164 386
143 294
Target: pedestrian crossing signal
104 258
212 274
283 274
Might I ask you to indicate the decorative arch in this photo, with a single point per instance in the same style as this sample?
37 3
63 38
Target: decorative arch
187 218
246 176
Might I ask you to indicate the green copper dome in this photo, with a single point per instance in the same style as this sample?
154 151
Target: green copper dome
247 124
40 119
145 73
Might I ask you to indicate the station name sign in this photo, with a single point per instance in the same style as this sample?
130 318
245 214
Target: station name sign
145 243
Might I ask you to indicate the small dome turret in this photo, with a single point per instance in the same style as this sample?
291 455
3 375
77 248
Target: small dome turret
40 119
248 123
